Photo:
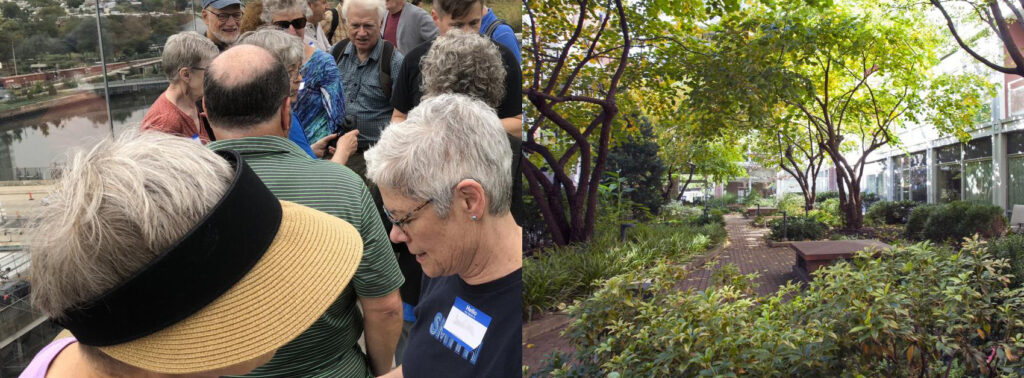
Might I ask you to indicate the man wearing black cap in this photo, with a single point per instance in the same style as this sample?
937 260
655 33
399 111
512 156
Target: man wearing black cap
223 20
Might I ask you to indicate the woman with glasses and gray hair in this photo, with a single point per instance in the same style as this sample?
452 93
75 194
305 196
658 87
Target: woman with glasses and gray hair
288 50
184 60
320 106
443 176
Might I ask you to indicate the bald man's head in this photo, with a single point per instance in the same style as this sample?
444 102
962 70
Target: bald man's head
244 86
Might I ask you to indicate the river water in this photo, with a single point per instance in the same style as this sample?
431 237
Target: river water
30 146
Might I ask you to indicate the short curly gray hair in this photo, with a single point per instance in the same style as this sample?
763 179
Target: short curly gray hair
286 47
464 63
273 6
115 209
446 139
374 5
186 50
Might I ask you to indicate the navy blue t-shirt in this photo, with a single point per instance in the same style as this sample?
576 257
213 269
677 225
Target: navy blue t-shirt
434 352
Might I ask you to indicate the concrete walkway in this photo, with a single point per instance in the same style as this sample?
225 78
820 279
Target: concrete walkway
748 251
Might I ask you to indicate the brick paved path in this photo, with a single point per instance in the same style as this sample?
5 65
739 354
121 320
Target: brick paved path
748 251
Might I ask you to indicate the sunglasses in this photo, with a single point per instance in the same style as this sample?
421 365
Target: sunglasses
297 23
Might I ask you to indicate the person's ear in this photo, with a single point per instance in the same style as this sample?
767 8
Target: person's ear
437 19
184 73
286 115
471 198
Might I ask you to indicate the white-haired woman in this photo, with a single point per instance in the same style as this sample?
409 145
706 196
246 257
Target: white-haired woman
184 60
443 175
320 106
163 258
288 50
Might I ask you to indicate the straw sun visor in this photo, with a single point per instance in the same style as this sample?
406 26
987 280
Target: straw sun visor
308 264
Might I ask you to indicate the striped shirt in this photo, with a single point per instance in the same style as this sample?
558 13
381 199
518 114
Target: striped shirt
329 348
364 97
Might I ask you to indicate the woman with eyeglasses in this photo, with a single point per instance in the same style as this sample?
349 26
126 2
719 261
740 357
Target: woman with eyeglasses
320 106
185 58
444 176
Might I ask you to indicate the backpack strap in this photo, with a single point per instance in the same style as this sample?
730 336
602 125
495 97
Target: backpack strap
489 32
339 49
387 55
334 24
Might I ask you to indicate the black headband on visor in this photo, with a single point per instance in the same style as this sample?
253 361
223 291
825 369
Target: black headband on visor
203 265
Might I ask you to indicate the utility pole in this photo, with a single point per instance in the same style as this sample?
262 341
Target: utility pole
15 58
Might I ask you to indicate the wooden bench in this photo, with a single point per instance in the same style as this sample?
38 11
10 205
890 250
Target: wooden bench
811 255
753 211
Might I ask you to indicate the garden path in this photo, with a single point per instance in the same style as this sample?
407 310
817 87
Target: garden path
749 252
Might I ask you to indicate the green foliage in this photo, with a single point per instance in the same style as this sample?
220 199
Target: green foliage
714 216
820 197
1011 248
638 163
724 201
791 203
679 210
890 212
827 212
953 221
558 275
797 228
919 310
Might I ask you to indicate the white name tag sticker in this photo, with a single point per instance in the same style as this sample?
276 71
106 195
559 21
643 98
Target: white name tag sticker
466 324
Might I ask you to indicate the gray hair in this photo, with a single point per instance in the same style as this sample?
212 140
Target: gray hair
274 6
377 5
186 50
464 63
116 207
286 47
446 139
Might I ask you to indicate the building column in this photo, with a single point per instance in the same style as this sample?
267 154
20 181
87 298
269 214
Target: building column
1000 172
932 188
888 181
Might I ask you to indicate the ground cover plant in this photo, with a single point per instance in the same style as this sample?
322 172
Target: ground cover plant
889 212
920 310
556 276
797 228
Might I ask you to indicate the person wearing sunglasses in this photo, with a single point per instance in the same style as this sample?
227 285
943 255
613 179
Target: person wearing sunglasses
223 19
320 106
444 177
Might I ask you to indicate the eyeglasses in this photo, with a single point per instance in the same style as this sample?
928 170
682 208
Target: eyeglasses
223 17
297 23
401 223
198 68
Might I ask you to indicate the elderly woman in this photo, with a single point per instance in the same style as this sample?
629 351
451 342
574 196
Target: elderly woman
175 112
164 258
288 49
321 104
443 175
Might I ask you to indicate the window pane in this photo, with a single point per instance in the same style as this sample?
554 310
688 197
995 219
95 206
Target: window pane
978 148
1015 143
948 154
1016 181
978 181
948 181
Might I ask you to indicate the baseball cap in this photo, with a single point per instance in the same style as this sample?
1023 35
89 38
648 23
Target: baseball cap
220 4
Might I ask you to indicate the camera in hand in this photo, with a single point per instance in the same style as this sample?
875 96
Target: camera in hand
347 124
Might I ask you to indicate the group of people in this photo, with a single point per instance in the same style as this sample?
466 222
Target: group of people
297 205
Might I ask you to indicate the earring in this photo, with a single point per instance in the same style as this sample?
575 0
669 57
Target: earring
473 217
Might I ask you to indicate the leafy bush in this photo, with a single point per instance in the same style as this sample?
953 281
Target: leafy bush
724 201
560 274
955 221
1011 248
824 196
791 203
890 212
715 216
869 199
920 310
797 228
827 212
679 210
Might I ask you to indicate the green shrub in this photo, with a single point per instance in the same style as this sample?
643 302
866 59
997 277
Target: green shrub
715 216
797 228
827 212
1011 248
890 212
558 275
920 310
724 201
679 210
820 197
955 221
791 203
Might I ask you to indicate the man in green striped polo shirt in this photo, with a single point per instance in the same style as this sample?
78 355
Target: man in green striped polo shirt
258 129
